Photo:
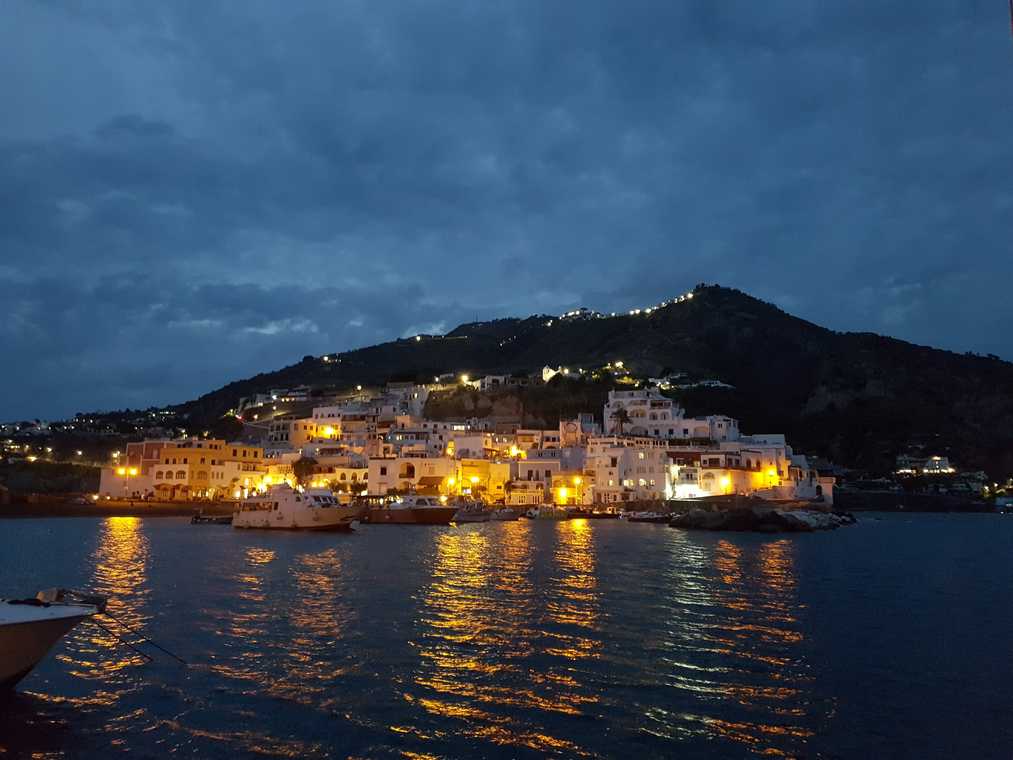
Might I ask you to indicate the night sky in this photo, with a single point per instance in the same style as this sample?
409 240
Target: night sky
191 193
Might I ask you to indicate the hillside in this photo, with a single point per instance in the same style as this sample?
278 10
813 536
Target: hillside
856 397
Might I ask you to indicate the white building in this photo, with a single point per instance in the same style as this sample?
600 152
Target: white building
628 469
648 411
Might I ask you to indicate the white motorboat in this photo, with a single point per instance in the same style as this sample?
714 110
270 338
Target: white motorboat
30 627
284 508
503 514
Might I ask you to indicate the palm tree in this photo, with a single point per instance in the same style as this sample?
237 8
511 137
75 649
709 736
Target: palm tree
621 417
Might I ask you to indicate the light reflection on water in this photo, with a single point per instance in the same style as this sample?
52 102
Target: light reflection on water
119 573
477 638
735 648
517 639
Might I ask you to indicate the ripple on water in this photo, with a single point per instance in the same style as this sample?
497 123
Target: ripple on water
525 639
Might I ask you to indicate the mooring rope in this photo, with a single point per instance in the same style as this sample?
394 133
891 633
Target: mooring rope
145 639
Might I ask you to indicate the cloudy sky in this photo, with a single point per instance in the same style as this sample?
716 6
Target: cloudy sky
193 192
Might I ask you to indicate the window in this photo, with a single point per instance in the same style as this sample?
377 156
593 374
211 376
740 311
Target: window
383 470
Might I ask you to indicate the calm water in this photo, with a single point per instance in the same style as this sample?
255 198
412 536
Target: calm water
596 639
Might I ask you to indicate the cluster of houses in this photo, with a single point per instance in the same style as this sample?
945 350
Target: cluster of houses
644 448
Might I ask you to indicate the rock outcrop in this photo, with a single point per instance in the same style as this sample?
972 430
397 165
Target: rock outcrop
761 520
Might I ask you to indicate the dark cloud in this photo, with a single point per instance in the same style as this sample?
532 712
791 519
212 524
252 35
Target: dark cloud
194 193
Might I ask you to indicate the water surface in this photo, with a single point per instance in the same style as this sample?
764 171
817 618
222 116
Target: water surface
576 639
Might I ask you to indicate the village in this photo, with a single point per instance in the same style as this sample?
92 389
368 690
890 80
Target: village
378 442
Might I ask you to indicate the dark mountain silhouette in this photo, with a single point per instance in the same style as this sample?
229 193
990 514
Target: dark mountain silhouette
858 398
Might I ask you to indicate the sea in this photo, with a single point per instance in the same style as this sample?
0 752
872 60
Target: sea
892 638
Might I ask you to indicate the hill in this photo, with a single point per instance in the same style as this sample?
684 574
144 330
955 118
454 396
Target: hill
858 398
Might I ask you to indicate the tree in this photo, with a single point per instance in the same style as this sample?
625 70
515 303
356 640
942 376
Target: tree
621 417
227 428
304 468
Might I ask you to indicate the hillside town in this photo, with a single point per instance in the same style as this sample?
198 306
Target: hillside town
379 442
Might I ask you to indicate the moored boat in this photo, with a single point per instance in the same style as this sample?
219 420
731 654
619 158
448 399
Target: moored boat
590 514
647 517
412 510
30 627
284 508
199 518
504 514
471 512
547 512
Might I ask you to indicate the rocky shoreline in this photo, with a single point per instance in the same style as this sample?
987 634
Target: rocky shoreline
762 519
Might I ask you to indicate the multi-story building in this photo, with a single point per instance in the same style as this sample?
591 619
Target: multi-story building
628 469
643 412
192 468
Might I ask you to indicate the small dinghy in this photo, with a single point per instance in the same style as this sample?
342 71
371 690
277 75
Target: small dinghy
30 627
504 514
471 512
199 518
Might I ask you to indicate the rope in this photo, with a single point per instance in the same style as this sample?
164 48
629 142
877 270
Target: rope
121 640
146 640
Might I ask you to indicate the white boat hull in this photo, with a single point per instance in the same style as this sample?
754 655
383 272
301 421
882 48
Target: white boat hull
333 518
24 644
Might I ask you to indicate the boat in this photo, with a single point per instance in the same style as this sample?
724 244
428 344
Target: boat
647 517
30 627
412 510
503 514
471 512
285 508
547 512
588 514
199 518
